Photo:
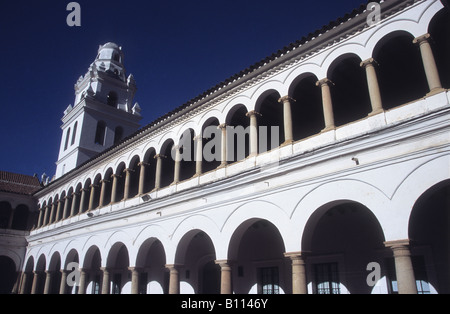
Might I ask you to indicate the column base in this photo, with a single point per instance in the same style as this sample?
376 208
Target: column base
328 128
435 91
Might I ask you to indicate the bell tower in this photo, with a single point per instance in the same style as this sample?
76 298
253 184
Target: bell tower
102 114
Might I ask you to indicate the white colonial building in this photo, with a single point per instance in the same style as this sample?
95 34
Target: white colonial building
361 174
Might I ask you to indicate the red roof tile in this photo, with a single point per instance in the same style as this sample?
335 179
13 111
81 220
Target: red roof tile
18 183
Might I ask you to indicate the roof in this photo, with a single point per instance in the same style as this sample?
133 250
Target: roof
18 183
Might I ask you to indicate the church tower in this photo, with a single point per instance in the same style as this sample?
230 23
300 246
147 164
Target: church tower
102 114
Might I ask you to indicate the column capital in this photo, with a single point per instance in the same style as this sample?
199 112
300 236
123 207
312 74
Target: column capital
198 138
223 263
222 126
324 81
421 39
295 255
159 156
253 113
128 170
104 181
114 176
368 62
397 243
143 164
286 99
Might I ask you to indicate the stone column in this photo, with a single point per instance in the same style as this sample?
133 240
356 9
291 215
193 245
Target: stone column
58 210
11 218
158 174
114 188
25 278
104 184
62 287
48 281
36 279
429 63
374 87
134 280
52 213
75 204
92 196
82 287
226 285
287 118
299 283
46 214
327 104
105 281
82 201
143 167
126 191
66 207
177 167
198 155
41 217
174 281
253 132
403 266
223 128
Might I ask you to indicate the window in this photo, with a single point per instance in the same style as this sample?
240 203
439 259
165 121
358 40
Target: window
74 134
112 99
268 281
327 278
96 285
116 284
420 273
100 133
118 134
66 144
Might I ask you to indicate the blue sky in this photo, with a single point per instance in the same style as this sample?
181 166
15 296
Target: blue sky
176 50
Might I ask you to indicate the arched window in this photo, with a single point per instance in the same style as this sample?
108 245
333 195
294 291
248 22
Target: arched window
118 134
66 144
74 134
100 133
112 99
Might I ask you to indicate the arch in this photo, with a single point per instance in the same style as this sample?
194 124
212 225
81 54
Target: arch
439 29
135 171
208 226
5 214
238 139
426 175
271 116
342 238
253 211
8 274
401 74
258 240
187 152
100 133
168 163
118 262
150 170
211 142
342 190
429 227
194 251
350 94
151 260
307 109
112 99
